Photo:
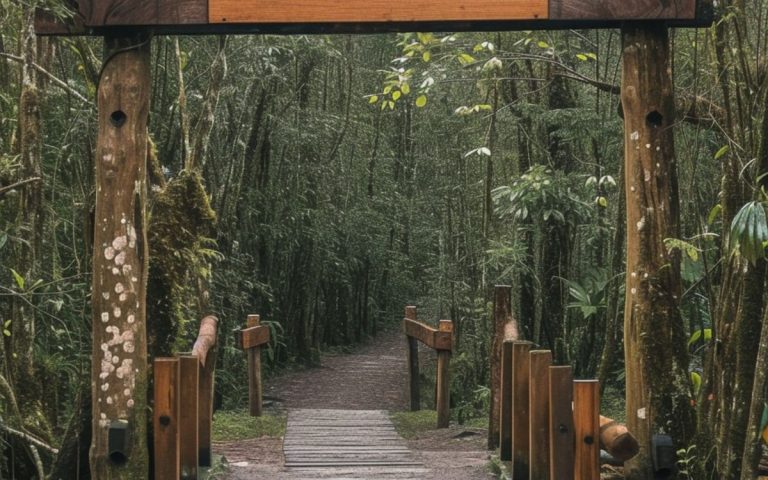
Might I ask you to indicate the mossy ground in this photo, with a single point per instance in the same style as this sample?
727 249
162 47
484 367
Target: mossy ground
410 424
234 425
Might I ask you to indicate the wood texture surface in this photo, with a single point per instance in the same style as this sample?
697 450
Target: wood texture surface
347 444
505 403
443 388
189 375
586 420
320 11
431 337
520 409
165 418
412 359
254 337
561 447
621 9
255 388
206 338
538 394
502 315
617 440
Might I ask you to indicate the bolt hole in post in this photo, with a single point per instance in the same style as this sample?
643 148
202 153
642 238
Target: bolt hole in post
118 118
654 119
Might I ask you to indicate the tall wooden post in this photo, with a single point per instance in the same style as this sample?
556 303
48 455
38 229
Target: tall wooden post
166 418
189 388
561 444
255 389
656 357
504 328
505 403
538 395
520 409
412 353
586 420
444 380
119 372
205 350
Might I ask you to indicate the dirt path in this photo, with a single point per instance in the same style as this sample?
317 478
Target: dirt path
371 378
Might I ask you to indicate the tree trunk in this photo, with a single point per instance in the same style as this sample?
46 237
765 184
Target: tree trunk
119 376
658 388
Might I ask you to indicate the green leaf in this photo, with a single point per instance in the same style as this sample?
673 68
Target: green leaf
373 99
582 57
696 336
6 332
749 232
405 88
426 56
396 95
421 101
723 150
602 201
466 58
19 279
3 239
713 214
542 44
696 382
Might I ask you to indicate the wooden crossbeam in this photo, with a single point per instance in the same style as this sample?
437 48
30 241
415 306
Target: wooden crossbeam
92 17
254 337
437 338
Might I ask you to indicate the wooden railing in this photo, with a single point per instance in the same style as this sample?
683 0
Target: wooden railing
183 409
550 425
251 340
441 340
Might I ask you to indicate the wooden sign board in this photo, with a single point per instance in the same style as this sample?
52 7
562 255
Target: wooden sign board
99 17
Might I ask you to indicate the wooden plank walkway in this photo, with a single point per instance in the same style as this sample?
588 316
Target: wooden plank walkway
347 444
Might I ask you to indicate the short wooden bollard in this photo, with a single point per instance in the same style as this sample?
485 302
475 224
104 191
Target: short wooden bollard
505 403
520 410
412 353
538 401
189 386
504 328
586 419
443 379
561 448
251 339
166 418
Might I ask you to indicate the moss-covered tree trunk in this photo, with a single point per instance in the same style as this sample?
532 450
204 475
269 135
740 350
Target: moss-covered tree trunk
657 389
119 374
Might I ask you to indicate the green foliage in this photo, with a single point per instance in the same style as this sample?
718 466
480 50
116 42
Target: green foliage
234 425
588 296
410 424
749 232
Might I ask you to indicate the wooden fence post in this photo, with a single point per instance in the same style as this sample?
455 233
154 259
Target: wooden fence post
586 419
505 403
412 352
561 436
502 314
520 409
443 379
166 418
189 371
255 389
205 350
538 400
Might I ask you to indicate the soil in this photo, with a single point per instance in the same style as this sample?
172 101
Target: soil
373 377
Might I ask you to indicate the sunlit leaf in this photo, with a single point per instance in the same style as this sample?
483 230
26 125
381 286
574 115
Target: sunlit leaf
373 99
18 278
720 153
421 101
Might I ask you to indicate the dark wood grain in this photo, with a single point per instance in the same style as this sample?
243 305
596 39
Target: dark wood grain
205 350
621 9
118 12
254 337
502 316
412 355
255 388
520 409
182 12
443 388
189 378
540 361
561 448
505 403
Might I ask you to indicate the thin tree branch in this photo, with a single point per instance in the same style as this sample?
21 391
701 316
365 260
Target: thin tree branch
3 190
26 437
53 78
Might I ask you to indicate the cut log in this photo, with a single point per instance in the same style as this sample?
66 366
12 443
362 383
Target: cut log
617 440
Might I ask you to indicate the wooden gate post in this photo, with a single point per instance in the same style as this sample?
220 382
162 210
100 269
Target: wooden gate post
189 378
505 407
586 419
120 260
561 456
412 353
520 409
443 379
504 328
166 418
205 350
540 361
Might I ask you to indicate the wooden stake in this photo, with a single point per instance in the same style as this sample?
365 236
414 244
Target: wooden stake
255 390
540 361
166 418
189 371
412 352
119 281
205 350
586 419
520 409
444 380
505 407
561 447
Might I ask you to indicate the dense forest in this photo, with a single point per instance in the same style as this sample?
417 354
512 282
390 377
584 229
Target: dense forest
327 181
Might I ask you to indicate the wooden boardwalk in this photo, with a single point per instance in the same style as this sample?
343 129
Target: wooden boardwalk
347 444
